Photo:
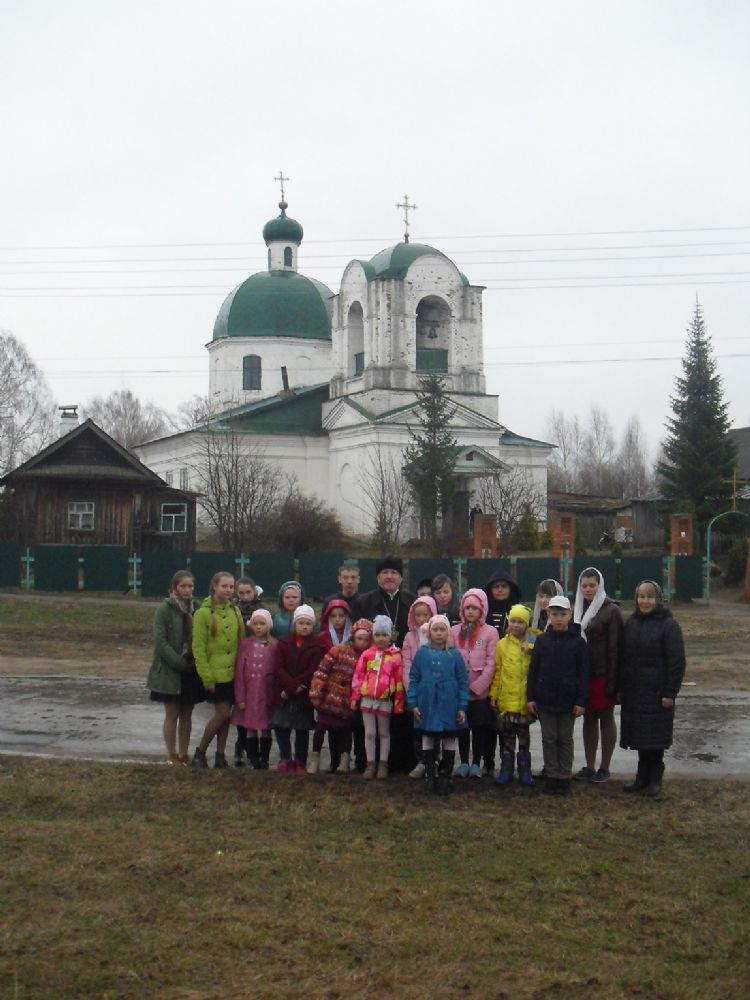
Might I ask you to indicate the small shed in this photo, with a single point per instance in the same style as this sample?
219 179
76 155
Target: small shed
86 489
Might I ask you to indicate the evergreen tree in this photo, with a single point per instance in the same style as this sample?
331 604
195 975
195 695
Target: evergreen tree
698 455
430 459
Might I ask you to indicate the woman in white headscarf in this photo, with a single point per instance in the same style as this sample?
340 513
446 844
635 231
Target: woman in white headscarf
602 628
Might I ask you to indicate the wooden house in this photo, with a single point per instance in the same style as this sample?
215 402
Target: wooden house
86 489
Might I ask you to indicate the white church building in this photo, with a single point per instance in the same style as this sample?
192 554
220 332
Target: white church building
324 383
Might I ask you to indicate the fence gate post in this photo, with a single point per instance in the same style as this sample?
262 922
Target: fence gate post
27 561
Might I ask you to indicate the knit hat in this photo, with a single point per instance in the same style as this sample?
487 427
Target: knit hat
362 625
520 611
390 562
263 615
440 620
304 611
382 625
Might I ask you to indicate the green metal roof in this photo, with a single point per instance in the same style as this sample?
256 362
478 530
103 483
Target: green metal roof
298 413
394 262
517 440
276 304
283 228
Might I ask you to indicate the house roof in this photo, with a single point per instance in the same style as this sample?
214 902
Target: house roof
66 458
741 438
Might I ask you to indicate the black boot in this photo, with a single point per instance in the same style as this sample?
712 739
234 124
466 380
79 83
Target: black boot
253 751
550 786
563 786
239 750
655 774
641 778
445 777
430 781
265 752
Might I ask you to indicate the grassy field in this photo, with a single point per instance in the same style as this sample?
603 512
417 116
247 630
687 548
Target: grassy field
124 881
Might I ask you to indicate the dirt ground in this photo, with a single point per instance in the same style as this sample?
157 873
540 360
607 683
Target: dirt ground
90 637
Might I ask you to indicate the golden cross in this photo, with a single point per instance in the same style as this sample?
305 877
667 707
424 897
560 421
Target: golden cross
733 483
406 205
281 178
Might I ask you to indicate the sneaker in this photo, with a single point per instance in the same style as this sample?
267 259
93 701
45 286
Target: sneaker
185 760
418 771
220 762
313 763
369 772
463 771
199 761
382 771
585 774
299 766
344 764
601 776
475 771
285 767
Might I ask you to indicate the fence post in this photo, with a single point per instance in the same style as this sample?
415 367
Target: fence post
134 583
667 575
458 569
27 561
618 578
242 560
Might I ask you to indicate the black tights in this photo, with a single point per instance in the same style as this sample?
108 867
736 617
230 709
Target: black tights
482 745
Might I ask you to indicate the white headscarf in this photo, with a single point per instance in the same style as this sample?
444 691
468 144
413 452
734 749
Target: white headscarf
537 605
584 620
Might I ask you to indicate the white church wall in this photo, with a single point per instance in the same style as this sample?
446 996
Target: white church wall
308 362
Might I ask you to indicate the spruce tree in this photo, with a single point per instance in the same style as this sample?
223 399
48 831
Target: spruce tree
699 455
430 458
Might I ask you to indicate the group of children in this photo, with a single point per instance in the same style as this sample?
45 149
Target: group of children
470 674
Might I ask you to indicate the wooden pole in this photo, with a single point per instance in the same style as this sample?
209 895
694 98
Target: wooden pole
745 595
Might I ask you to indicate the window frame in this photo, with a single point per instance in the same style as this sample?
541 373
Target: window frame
164 515
73 513
252 373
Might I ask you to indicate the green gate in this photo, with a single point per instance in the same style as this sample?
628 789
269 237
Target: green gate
318 573
157 569
633 569
105 567
269 570
478 571
606 566
56 567
10 562
688 577
421 569
530 573
203 565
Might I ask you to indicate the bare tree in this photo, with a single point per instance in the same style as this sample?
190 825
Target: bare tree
238 487
191 413
125 418
564 468
631 461
302 523
26 405
597 472
513 497
386 498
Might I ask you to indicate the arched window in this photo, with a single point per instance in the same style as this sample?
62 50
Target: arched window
251 371
288 260
355 329
433 334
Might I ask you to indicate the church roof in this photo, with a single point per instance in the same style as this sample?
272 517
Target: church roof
283 228
395 261
299 412
518 441
276 304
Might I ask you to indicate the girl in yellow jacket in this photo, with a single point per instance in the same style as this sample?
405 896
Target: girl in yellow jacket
508 695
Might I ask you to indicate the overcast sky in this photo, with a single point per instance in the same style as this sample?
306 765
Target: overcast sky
588 162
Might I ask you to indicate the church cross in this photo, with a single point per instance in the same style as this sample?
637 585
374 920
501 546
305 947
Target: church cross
281 178
406 205
733 483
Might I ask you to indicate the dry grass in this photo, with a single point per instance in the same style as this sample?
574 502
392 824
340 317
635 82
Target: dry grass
124 881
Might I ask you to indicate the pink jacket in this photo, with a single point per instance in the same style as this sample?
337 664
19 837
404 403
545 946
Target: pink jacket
476 647
381 680
412 642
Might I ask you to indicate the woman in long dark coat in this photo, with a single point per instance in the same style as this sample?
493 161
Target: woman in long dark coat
652 671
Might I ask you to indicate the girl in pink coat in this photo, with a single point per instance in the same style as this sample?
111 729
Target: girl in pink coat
253 688
420 613
476 640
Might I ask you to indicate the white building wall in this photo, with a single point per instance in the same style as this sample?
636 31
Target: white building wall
308 362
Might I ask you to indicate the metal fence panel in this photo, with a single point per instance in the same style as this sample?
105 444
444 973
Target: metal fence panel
318 573
688 577
105 567
56 567
421 569
531 571
368 577
270 569
478 571
10 564
633 569
203 565
157 569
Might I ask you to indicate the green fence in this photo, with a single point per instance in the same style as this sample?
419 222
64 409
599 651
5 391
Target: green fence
112 569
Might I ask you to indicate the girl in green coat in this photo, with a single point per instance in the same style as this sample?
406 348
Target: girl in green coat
172 679
218 630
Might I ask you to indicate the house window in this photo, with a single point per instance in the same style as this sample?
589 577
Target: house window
251 371
169 478
287 256
184 479
81 515
174 518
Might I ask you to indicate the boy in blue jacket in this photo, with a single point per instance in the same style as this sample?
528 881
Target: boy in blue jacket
557 692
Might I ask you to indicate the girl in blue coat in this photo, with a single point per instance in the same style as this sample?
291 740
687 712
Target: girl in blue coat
438 696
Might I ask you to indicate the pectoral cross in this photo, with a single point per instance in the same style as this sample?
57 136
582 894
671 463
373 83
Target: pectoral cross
281 178
406 205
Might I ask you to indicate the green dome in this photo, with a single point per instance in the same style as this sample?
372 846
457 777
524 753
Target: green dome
282 228
394 262
276 304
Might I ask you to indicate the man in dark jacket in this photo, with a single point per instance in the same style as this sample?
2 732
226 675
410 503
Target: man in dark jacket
557 692
389 599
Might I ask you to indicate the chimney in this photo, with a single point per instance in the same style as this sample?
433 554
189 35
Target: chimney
68 418
286 392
